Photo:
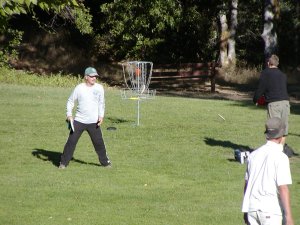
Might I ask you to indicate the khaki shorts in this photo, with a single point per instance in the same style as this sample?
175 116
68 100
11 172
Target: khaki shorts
262 218
280 109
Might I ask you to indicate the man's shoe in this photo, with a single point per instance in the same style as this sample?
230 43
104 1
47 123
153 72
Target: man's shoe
108 164
61 166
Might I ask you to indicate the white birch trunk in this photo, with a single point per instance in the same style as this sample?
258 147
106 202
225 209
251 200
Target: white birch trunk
232 36
269 33
223 40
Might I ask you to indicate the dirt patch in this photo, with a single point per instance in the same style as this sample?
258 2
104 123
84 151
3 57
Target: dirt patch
223 92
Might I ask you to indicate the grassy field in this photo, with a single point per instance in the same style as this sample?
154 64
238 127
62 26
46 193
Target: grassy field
176 168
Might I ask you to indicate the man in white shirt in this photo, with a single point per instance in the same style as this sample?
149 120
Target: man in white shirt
89 115
266 194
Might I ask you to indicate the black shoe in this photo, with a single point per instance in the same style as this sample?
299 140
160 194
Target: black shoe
107 164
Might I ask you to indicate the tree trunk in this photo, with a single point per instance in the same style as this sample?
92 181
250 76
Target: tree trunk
233 27
223 40
297 34
269 33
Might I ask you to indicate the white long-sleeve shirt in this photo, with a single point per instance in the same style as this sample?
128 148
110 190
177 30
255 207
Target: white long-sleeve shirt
90 103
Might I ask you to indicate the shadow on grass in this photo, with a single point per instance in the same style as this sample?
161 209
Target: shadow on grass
54 157
117 120
227 144
292 134
114 121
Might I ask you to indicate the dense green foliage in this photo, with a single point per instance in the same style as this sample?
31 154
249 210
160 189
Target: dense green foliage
289 32
177 167
163 30
137 27
63 8
249 42
70 11
194 32
9 50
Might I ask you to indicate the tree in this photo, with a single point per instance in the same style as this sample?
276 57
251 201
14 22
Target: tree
223 37
161 30
249 43
136 28
288 30
269 34
228 34
232 33
69 10
169 31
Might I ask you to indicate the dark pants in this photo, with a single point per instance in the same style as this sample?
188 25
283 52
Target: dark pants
96 136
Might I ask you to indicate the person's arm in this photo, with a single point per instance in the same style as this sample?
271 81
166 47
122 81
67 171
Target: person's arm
285 200
245 214
100 120
260 90
70 105
101 107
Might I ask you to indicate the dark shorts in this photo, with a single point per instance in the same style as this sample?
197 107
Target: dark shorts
280 109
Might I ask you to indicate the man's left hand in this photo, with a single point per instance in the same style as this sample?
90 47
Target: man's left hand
100 120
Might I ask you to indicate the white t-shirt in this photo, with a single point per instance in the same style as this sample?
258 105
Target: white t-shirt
90 103
268 167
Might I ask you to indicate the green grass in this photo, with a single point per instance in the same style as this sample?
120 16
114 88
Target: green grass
176 168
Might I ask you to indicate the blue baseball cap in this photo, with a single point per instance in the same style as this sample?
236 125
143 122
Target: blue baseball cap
91 71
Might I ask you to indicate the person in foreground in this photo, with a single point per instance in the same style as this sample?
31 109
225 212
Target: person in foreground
273 86
266 193
89 97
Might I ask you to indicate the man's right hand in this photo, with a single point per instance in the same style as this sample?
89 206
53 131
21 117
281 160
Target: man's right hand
69 118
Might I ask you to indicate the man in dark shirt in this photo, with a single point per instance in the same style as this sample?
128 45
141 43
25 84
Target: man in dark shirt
273 86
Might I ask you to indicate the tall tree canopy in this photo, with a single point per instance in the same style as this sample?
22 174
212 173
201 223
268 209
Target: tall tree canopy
161 30
136 28
71 10
173 30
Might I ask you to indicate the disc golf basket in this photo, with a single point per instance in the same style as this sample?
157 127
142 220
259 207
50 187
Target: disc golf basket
137 76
